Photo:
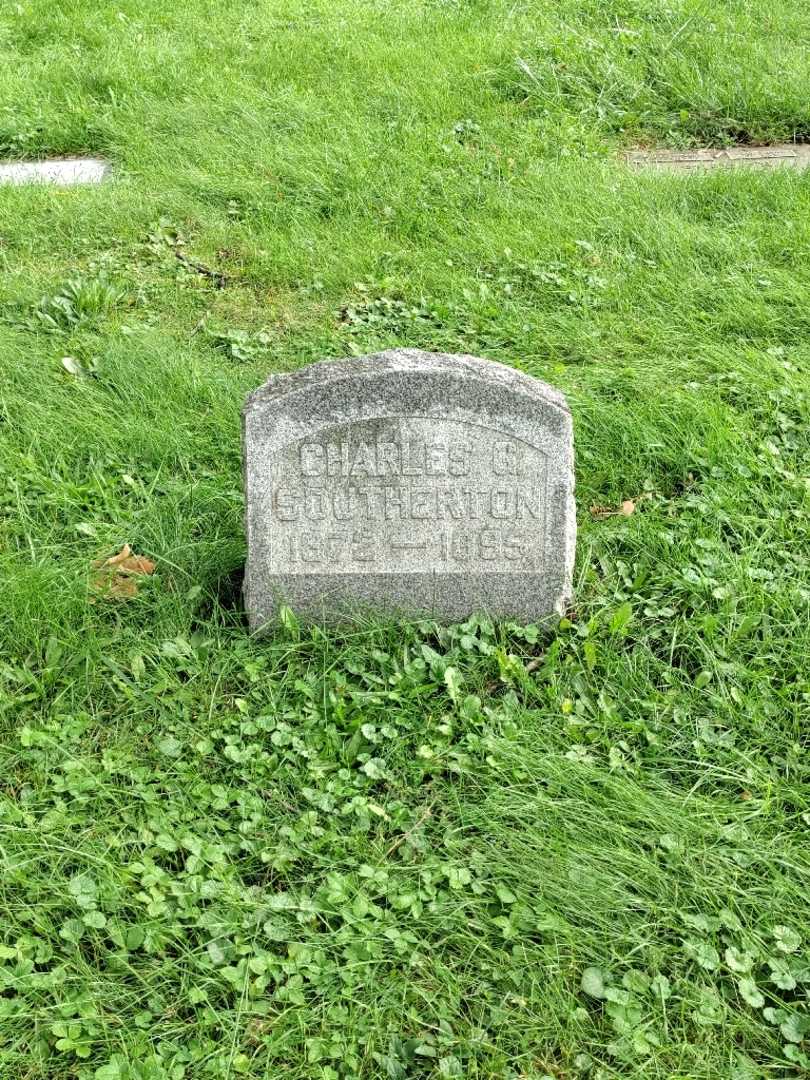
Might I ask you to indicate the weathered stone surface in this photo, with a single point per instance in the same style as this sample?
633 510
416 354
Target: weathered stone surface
408 482
787 155
60 171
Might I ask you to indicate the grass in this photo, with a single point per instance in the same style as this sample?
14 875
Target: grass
404 851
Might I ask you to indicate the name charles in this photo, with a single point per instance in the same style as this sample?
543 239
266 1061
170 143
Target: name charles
405 457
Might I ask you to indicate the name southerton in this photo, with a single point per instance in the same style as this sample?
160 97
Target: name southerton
398 503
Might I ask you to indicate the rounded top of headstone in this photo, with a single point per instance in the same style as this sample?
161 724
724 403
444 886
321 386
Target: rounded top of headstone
407 361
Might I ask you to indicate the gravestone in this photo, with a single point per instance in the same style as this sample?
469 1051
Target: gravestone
59 171
408 482
787 155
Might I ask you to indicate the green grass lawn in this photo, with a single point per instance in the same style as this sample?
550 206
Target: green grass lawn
402 851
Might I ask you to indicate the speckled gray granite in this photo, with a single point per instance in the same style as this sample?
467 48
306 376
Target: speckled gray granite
408 482
59 171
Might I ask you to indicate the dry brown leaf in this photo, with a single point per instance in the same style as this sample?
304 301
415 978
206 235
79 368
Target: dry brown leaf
625 510
114 560
127 563
116 577
119 588
136 564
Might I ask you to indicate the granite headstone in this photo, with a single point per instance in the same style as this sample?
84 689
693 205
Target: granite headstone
60 171
786 155
408 482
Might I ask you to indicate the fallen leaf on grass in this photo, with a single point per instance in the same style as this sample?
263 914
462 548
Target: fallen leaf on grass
627 508
116 577
127 563
80 368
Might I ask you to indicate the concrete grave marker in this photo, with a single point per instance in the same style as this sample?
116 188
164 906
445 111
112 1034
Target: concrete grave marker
60 171
788 155
408 482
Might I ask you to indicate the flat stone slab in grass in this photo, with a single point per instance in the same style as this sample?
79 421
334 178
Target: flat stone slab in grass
61 171
758 157
408 482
